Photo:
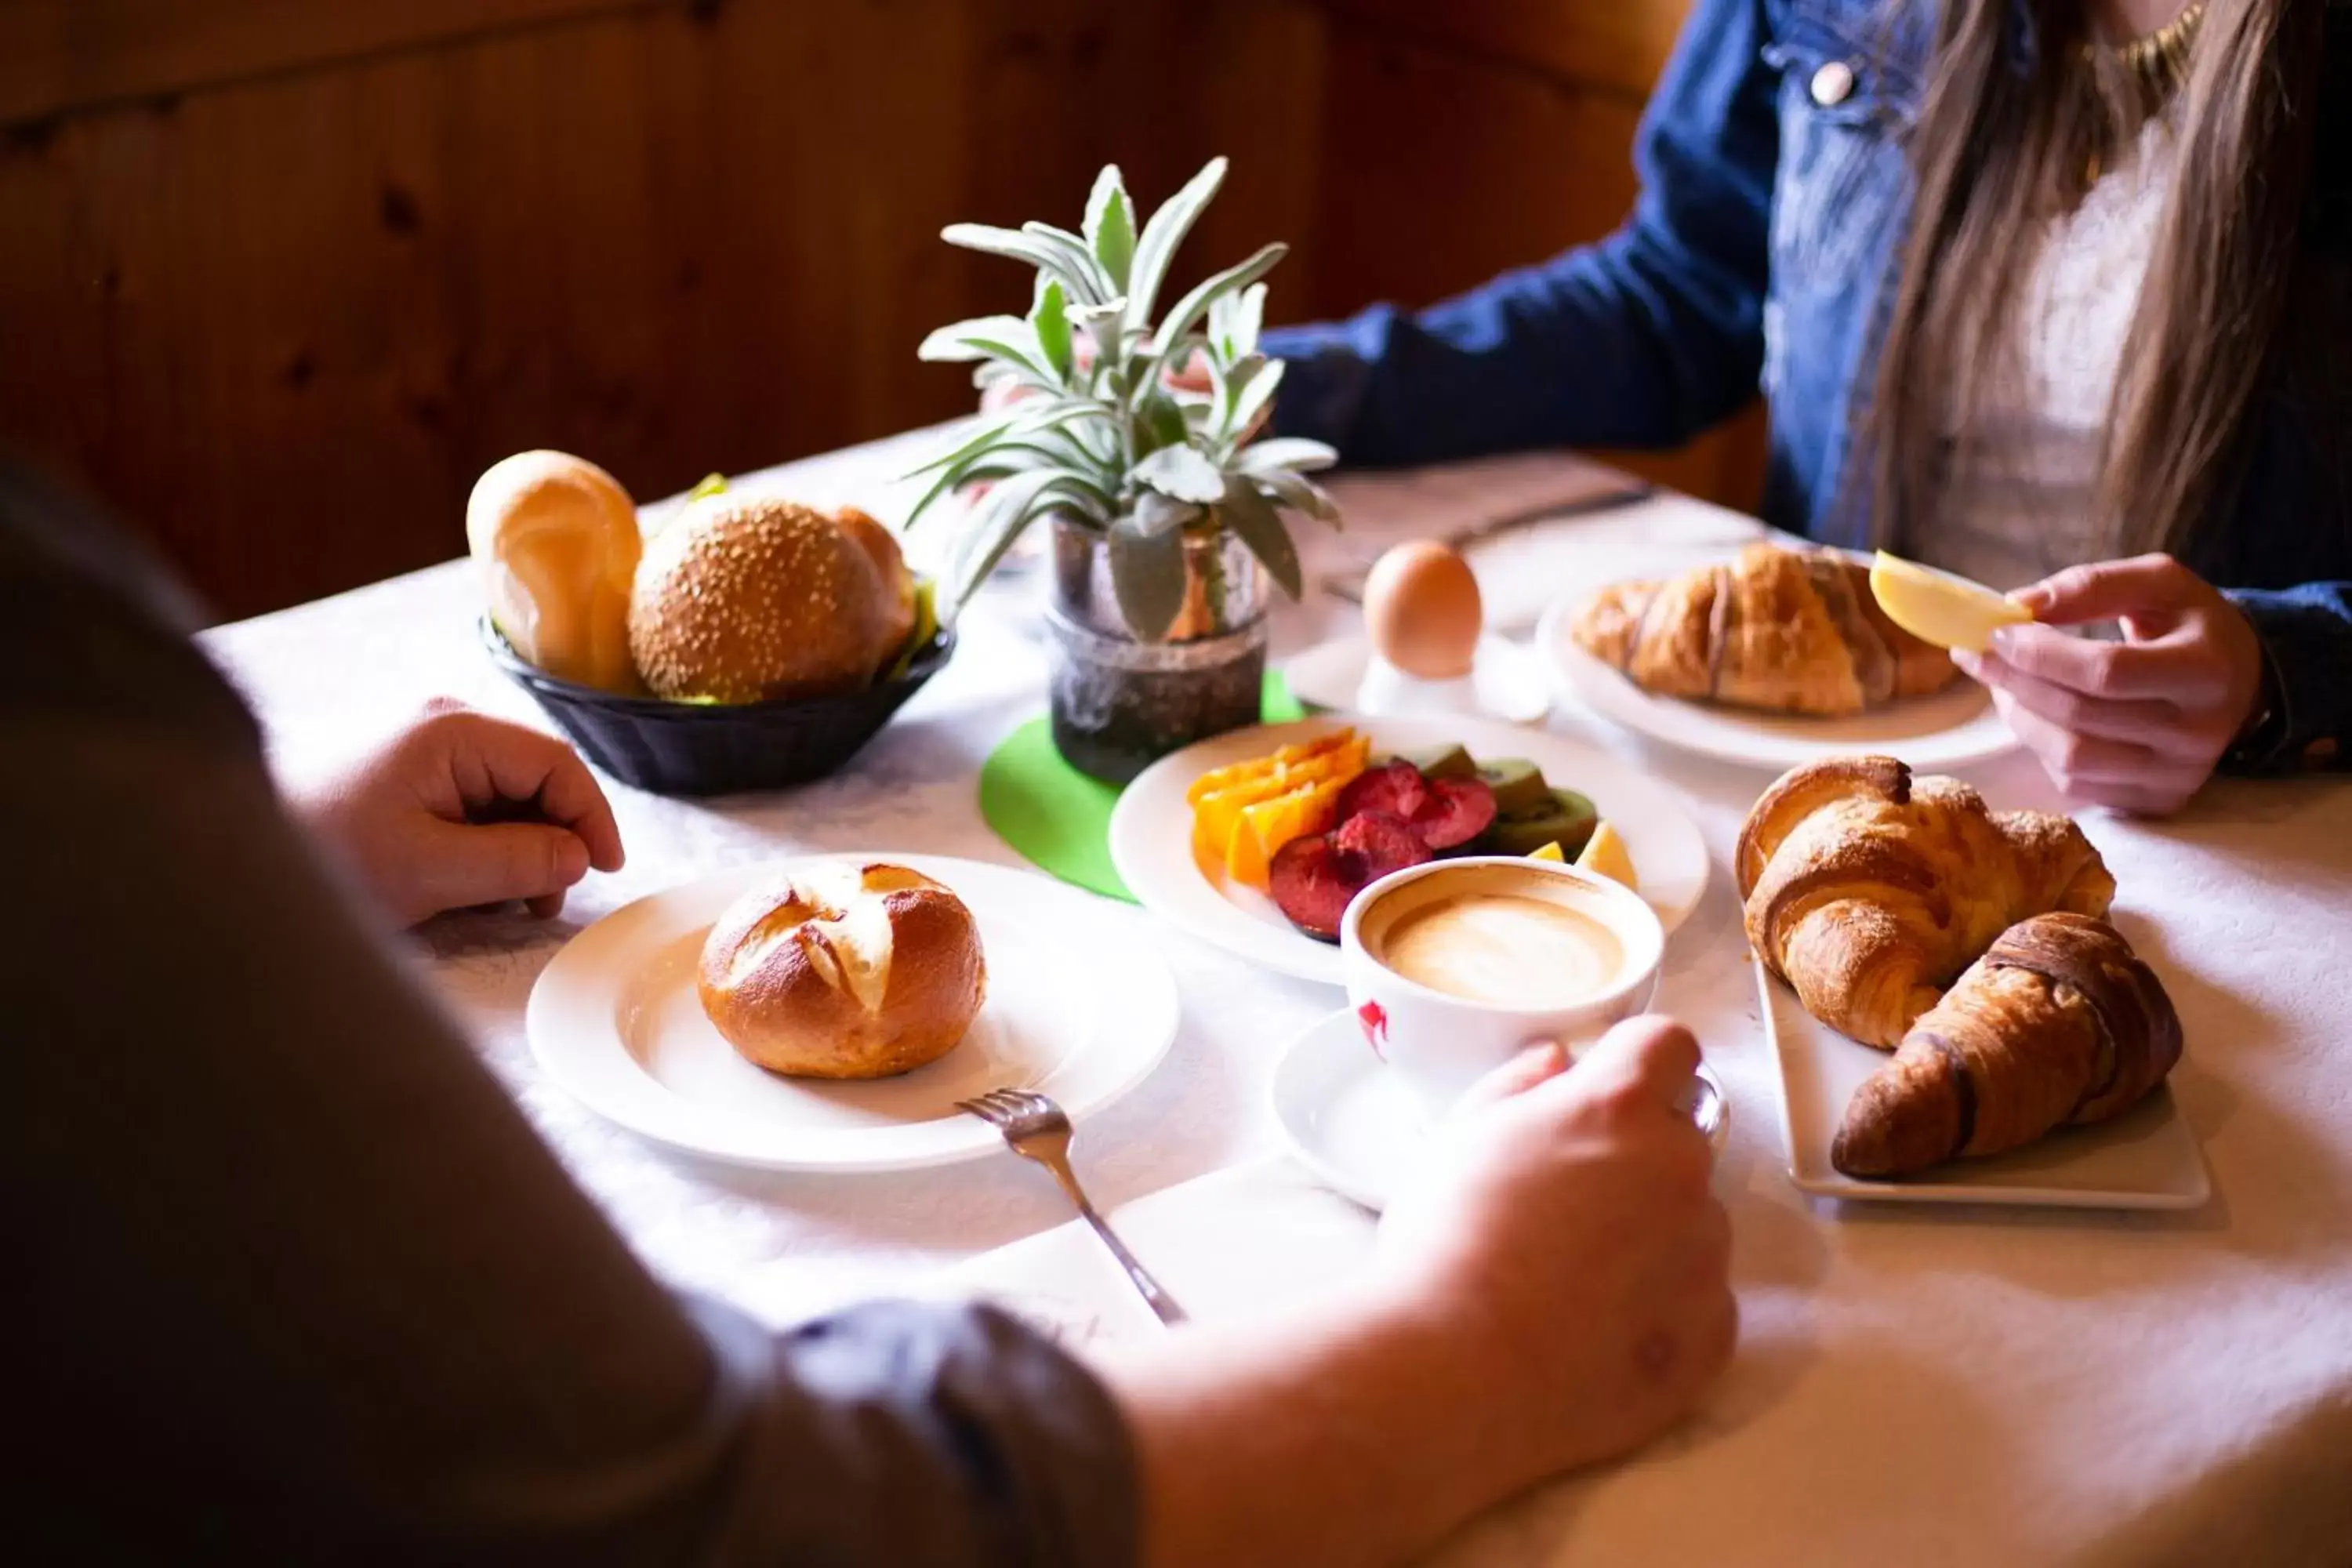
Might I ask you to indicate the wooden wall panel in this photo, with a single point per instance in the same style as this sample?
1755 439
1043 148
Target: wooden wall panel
279 279
57 55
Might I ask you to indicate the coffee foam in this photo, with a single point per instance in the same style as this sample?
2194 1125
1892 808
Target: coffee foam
1634 947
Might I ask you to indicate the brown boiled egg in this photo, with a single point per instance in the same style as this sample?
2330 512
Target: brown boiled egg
1422 611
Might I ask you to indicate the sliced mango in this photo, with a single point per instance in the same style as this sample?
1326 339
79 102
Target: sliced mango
1216 816
1949 611
1266 826
1220 779
1549 852
1605 856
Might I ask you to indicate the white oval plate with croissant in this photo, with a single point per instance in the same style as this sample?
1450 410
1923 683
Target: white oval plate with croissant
1800 663
1955 1017
1078 1007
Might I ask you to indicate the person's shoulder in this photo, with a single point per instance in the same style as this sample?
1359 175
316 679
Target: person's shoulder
1888 43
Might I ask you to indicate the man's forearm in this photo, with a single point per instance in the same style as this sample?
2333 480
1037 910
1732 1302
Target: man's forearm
1345 1432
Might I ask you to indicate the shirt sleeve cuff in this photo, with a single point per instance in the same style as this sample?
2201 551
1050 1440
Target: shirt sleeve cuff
907 1432
2306 645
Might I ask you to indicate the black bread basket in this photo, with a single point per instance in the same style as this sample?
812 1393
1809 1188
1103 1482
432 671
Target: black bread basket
687 748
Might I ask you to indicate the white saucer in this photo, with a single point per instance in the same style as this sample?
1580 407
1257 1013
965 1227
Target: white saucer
1349 1120
1509 680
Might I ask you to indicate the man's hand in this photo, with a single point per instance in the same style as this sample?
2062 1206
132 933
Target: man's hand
1566 1228
1553 1292
2138 725
461 809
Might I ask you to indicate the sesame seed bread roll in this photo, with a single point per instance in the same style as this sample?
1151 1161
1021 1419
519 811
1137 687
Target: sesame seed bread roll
747 600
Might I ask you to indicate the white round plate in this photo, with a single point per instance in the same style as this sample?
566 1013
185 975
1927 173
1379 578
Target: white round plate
1152 830
1509 680
1079 1008
1955 727
1349 1120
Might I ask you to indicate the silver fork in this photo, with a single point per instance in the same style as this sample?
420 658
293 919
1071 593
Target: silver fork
1035 1128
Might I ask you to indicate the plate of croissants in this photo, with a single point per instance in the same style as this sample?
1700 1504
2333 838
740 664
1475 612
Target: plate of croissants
1775 656
1955 1017
828 1012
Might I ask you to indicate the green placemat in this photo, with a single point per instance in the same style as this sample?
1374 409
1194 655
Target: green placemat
1057 818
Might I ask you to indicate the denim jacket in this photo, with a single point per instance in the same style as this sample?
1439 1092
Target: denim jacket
1774 203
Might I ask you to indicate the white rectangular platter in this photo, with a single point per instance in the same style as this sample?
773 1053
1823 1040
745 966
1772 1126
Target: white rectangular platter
2146 1158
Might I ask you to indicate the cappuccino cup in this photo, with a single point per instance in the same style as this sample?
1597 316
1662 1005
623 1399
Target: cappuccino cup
1455 967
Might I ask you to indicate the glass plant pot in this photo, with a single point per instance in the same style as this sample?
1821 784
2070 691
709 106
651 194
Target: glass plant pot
1122 703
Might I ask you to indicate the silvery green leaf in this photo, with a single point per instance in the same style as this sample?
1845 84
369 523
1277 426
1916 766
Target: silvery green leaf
1015 246
1253 388
1181 473
1010 506
1156 251
1188 312
978 440
1285 452
1147 576
1049 323
1111 226
1247 318
1251 516
1300 493
1160 424
981 465
1078 260
1157 514
962 340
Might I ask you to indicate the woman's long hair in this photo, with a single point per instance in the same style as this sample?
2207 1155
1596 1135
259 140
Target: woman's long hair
1998 152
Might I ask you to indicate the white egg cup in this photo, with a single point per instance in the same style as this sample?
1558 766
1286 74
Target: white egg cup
1388 692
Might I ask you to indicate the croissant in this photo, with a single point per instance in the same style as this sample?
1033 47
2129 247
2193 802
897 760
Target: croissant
1790 630
2059 1025
1869 890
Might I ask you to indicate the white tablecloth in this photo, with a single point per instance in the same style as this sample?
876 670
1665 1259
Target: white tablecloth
1913 1385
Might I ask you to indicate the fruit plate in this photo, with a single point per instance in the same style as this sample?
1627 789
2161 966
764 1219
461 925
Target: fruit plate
1152 830
1078 1008
2147 1158
1954 728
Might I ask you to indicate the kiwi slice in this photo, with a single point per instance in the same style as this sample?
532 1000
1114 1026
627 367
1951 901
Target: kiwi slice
1518 786
1568 820
1443 762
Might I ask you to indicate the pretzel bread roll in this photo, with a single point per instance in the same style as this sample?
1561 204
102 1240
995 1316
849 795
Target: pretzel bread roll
839 970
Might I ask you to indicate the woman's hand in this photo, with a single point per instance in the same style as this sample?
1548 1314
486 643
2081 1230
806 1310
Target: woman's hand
2140 724
461 809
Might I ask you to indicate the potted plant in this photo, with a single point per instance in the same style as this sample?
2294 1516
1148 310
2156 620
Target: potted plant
1166 517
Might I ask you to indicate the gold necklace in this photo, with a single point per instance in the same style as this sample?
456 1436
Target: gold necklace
2158 59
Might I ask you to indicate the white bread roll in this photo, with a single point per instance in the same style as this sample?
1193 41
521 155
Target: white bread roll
558 542
843 971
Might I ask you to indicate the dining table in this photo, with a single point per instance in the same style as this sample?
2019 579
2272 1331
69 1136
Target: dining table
1913 1385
